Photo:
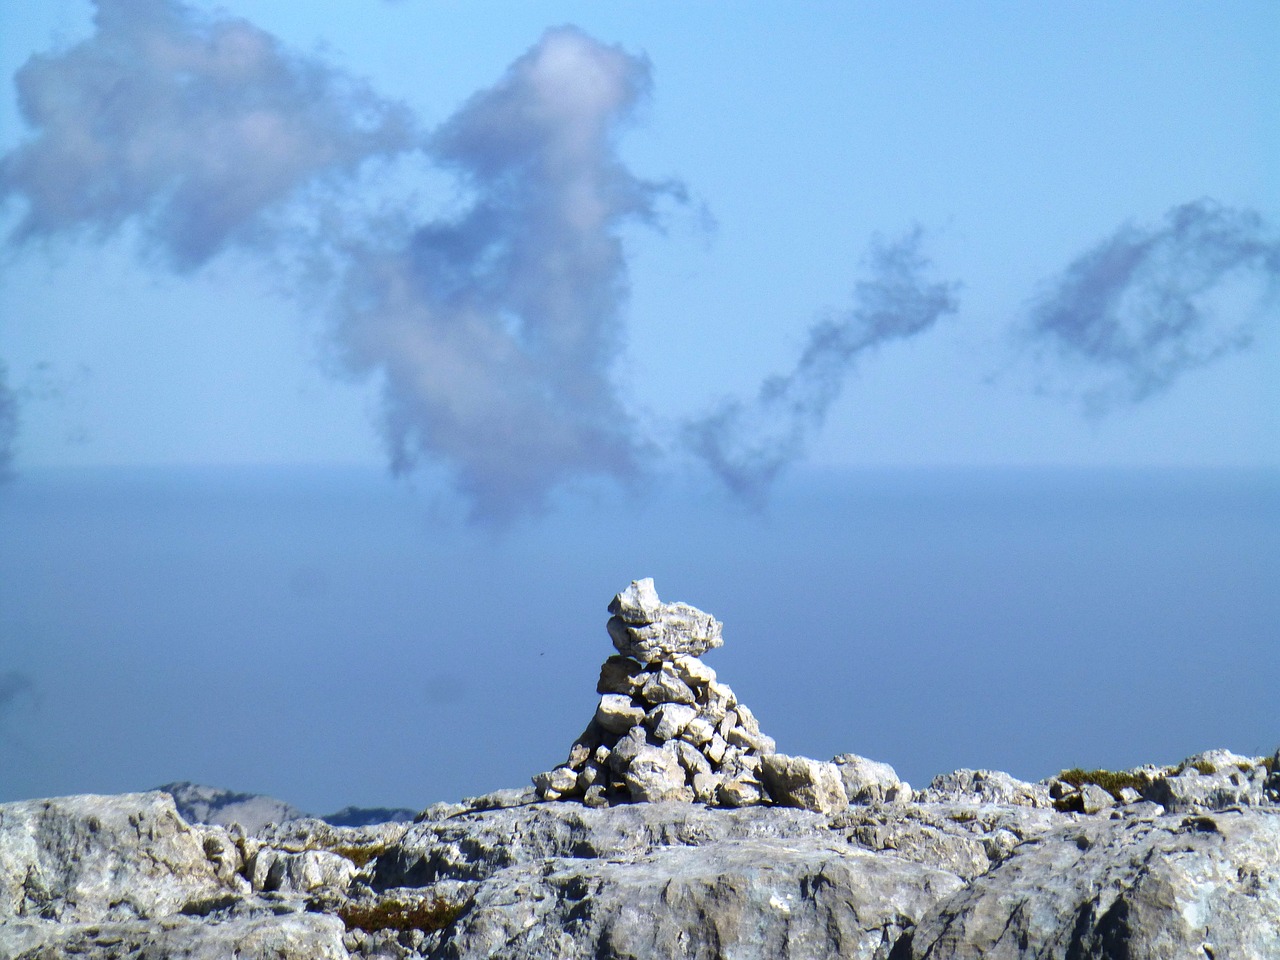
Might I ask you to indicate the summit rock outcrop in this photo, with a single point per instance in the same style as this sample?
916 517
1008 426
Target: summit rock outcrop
666 728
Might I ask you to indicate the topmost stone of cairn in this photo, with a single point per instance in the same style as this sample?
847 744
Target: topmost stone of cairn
648 630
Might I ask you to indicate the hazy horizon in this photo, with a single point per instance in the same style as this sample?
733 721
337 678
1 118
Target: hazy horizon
323 636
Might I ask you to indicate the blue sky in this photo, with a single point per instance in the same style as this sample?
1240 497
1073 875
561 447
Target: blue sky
689 263
1016 140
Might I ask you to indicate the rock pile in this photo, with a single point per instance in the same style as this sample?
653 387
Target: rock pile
665 727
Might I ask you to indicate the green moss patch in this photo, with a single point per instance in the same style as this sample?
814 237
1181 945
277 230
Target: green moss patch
425 915
1111 781
1200 766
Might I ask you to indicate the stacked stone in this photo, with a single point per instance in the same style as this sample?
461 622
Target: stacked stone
665 727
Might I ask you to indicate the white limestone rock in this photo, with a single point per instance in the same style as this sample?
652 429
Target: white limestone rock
693 671
959 878
802 782
638 603
99 858
691 758
698 731
715 749
650 631
663 686
719 700
668 720
308 871
655 775
743 790
869 781
1136 886
757 742
264 935
618 713
561 780
990 786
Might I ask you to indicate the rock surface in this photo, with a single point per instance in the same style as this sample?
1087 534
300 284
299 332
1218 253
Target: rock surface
665 728
977 865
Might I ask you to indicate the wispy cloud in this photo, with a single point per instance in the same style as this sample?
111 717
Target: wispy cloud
496 330
748 443
13 684
1130 316
194 128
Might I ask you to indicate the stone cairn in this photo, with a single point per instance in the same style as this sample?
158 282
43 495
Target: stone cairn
665 728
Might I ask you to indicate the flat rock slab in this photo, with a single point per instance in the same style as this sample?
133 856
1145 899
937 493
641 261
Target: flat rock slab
751 899
474 845
99 858
302 936
1167 886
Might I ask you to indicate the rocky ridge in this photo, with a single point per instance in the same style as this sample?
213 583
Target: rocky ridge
197 803
978 864
1180 860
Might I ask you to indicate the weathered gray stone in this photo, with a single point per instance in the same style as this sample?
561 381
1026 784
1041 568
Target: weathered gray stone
1171 886
667 720
579 753
627 748
638 603
965 838
693 671
562 779
291 936
1191 790
308 871
749 900
698 731
990 786
755 742
746 719
104 878
743 790
715 749
618 713
1093 799
869 781
705 786
620 675
719 700
655 775
650 631
663 686
691 758
101 858
802 782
